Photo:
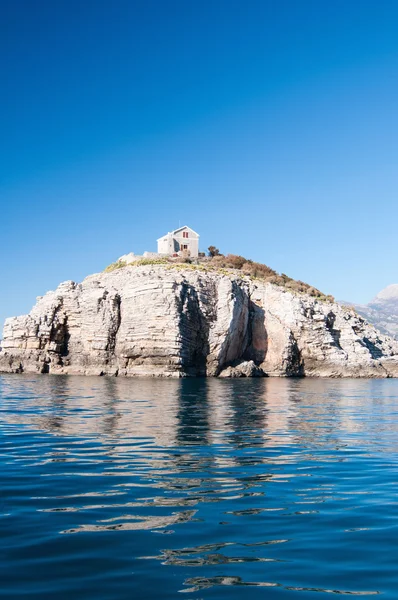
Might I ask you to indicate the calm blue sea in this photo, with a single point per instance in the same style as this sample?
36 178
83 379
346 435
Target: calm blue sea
120 489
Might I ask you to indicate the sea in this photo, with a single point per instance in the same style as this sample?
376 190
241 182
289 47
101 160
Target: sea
120 489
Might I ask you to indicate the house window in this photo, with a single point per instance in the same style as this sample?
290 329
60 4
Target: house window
184 246
185 234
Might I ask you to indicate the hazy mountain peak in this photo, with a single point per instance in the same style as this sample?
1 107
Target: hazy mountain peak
387 294
382 311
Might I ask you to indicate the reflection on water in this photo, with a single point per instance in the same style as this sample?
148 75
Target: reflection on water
283 484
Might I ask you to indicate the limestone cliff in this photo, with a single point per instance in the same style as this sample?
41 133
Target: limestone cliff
165 321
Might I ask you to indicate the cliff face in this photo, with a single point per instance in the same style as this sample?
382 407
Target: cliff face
161 321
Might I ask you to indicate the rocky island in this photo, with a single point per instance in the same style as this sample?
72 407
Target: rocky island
175 320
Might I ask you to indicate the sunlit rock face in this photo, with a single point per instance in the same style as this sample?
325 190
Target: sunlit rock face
173 322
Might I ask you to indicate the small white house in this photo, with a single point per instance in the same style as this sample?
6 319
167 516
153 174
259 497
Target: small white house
183 240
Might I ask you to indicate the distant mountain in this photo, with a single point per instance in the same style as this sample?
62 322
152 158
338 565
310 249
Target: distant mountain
382 311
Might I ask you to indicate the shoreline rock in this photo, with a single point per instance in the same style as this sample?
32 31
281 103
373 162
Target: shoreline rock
177 322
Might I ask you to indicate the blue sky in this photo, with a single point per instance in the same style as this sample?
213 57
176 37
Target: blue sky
270 127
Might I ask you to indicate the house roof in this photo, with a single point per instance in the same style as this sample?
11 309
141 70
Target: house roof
185 227
176 231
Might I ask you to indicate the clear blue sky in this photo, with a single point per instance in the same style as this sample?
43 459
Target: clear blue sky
268 126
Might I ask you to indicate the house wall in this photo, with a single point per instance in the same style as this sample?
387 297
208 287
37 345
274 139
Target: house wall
166 245
191 242
171 244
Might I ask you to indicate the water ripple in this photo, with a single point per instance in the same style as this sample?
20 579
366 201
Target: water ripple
289 485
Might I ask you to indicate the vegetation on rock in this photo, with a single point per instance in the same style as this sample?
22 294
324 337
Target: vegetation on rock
230 264
213 251
257 270
119 264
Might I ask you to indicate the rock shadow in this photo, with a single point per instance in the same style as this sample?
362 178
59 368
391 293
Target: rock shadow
375 352
335 333
257 344
193 331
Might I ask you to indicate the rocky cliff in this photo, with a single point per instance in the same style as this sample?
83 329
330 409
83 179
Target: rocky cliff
166 321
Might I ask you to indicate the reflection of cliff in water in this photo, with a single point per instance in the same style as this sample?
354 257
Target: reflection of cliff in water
104 408
193 412
237 414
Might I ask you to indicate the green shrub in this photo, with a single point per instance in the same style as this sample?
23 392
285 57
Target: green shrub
213 251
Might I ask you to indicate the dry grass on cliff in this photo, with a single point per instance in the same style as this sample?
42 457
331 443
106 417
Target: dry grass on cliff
119 264
257 270
231 264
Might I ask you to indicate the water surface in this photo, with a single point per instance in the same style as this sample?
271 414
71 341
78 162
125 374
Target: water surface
125 488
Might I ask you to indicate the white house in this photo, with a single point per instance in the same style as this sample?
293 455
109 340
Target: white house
183 240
